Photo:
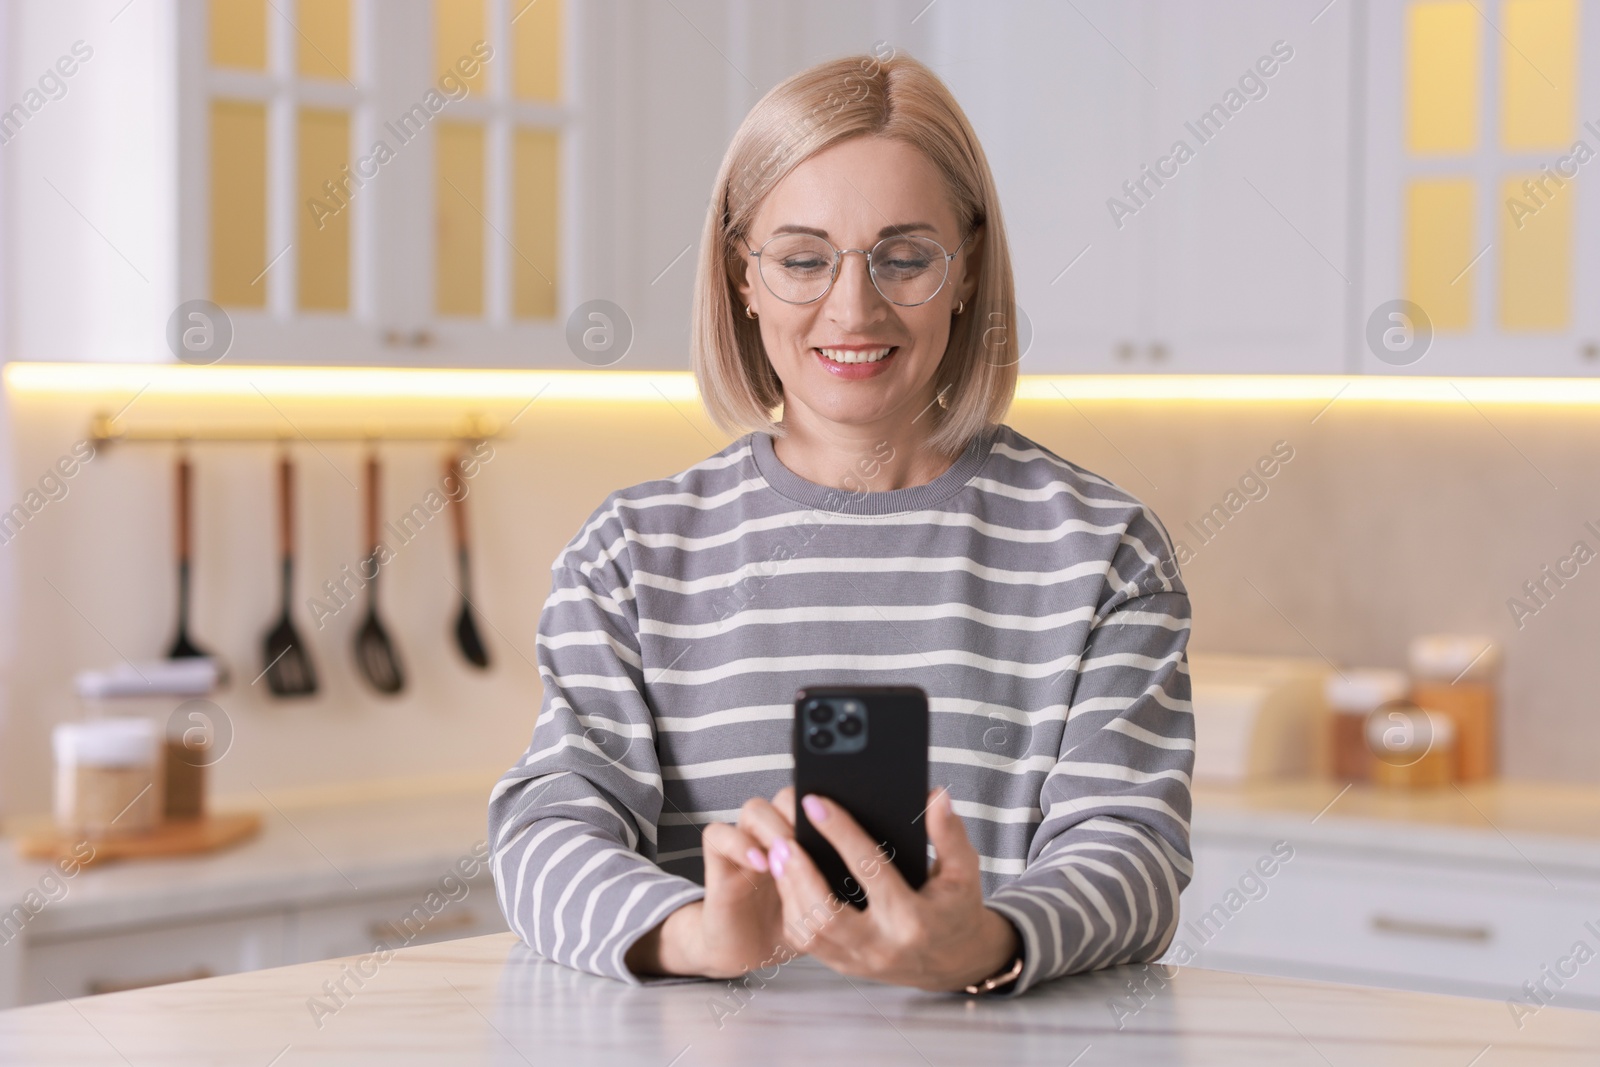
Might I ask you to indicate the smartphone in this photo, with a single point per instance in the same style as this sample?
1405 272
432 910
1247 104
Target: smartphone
866 749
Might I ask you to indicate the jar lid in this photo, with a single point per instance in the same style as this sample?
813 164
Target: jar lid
107 742
1454 657
1357 692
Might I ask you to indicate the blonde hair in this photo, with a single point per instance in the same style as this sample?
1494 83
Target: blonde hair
895 97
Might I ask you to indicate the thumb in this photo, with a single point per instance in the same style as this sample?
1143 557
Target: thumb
948 835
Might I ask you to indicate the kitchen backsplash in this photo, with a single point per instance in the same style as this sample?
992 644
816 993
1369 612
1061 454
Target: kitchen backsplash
1338 533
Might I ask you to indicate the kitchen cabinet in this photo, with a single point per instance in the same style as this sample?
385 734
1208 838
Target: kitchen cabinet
1133 255
1465 210
1419 919
114 958
153 955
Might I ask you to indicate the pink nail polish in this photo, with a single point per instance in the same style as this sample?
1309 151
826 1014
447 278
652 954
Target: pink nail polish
757 858
816 811
776 857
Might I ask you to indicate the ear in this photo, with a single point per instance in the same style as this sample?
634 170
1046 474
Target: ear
966 266
744 272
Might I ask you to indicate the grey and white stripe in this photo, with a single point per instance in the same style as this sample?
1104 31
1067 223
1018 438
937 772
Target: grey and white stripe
1037 603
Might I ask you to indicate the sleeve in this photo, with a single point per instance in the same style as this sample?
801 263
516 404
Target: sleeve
573 824
1111 853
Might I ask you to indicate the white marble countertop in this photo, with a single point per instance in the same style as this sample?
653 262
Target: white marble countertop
319 851
308 852
488 1000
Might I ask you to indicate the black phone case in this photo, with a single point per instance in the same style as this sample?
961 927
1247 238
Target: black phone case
884 786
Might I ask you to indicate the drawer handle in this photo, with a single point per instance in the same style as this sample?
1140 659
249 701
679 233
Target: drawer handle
97 986
386 930
1385 924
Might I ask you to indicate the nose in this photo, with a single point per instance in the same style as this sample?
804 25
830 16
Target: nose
854 301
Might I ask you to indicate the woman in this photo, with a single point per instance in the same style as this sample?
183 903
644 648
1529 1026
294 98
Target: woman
884 528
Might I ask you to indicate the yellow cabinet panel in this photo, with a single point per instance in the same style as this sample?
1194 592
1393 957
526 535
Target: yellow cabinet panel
323 232
1444 42
239 34
1539 74
238 203
459 221
1438 236
536 50
323 39
536 222
1536 253
458 25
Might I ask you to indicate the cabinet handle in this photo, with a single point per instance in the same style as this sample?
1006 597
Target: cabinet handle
96 986
1591 350
1124 350
1386 924
1158 351
461 920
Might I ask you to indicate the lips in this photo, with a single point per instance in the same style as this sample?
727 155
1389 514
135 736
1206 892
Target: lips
856 355
855 364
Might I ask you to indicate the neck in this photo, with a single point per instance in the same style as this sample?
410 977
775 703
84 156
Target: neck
890 453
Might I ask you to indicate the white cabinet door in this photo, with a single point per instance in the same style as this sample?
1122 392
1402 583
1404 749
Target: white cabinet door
1057 97
1426 925
1506 273
419 917
1248 270
154 955
1148 233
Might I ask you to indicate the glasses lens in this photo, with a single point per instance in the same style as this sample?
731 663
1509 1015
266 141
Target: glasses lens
797 267
909 270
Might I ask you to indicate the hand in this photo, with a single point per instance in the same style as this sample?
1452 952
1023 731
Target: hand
940 937
738 926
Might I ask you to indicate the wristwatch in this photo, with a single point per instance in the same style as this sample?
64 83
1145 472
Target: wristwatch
1002 978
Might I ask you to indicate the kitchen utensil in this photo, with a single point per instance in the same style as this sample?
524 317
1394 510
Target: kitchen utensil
289 671
375 653
182 646
468 639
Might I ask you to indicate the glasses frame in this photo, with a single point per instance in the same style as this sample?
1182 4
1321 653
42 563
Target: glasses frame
872 271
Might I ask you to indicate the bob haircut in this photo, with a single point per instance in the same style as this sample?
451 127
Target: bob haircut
897 97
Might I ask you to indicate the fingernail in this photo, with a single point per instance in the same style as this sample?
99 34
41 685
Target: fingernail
757 858
816 811
776 857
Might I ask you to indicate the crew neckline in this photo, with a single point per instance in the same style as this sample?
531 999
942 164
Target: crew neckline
881 502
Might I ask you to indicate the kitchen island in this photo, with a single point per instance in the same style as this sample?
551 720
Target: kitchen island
489 1000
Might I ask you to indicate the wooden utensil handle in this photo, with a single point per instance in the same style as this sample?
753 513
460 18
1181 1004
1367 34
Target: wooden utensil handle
182 521
285 507
373 492
458 503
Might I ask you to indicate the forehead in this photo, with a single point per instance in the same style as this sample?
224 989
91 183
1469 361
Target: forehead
857 187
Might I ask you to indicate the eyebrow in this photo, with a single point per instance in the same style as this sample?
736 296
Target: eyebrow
887 231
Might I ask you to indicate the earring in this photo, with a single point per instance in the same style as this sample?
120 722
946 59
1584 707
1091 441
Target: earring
748 313
961 305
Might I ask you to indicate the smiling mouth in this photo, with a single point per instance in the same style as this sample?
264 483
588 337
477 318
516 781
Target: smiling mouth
857 355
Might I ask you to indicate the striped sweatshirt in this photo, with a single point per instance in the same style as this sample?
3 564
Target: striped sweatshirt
1039 605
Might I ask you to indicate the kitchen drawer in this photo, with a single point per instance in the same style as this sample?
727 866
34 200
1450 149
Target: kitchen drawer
397 919
1330 914
152 955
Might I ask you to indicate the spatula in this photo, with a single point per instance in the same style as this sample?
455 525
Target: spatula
288 662
468 640
183 647
375 652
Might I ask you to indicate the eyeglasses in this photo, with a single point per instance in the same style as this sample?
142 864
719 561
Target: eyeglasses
800 268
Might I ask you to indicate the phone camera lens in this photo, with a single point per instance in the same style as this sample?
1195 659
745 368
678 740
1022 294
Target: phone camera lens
822 738
852 707
849 727
820 712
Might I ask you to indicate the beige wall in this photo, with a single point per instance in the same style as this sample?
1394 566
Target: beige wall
1389 521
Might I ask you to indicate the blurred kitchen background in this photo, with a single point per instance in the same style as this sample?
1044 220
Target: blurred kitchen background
240 230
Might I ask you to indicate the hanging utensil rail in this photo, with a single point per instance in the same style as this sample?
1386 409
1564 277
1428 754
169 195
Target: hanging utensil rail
104 429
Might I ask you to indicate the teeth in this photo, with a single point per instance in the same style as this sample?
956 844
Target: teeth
864 355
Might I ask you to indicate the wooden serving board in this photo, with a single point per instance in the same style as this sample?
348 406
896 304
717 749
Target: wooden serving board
173 838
